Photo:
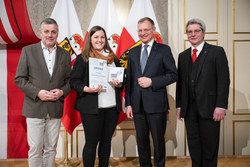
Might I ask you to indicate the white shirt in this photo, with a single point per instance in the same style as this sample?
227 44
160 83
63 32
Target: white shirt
106 98
199 49
49 58
150 44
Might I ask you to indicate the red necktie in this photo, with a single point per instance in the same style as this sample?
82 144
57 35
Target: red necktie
194 56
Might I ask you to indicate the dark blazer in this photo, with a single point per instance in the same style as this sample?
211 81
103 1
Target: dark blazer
211 82
32 75
87 102
160 68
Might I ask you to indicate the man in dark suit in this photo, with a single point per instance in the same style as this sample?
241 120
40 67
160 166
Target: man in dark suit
202 94
43 75
150 69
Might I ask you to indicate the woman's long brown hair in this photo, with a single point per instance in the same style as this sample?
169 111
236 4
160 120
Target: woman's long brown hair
88 45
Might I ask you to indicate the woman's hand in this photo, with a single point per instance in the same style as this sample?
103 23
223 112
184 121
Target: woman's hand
93 89
116 83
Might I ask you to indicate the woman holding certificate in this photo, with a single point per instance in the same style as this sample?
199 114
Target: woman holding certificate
99 106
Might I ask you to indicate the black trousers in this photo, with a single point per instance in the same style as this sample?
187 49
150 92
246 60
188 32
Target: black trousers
203 138
155 124
98 128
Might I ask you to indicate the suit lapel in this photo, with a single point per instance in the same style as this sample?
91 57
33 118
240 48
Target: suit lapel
138 56
202 57
151 56
186 61
57 59
42 59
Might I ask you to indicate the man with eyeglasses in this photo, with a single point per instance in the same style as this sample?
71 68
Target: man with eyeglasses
202 94
151 67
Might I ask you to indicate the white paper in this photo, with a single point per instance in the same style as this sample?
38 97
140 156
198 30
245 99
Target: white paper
116 73
97 72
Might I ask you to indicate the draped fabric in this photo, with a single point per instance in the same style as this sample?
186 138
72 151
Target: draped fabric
70 38
106 16
15 33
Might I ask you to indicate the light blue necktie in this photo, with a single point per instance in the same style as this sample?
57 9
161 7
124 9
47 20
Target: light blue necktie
144 58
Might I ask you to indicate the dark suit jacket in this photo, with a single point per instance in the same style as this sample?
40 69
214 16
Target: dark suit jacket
32 75
160 68
211 82
87 102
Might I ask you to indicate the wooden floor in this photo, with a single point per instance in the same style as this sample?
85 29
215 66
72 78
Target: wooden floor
133 162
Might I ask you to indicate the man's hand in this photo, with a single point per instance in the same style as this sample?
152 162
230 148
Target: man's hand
219 114
56 94
144 82
129 112
178 113
45 95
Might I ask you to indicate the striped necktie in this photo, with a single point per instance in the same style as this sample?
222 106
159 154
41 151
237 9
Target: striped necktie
144 58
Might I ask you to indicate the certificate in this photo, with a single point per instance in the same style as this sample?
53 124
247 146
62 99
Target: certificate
116 73
97 72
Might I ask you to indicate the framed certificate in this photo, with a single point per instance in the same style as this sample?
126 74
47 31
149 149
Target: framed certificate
116 73
97 72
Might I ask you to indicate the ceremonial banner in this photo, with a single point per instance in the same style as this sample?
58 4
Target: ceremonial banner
106 17
15 32
70 38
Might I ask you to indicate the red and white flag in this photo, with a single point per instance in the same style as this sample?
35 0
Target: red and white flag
105 16
3 102
9 29
15 32
129 37
70 38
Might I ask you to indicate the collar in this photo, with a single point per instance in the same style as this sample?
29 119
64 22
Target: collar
44 47
199 48
150 43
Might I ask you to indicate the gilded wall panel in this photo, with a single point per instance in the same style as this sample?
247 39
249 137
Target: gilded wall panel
241 77
241 14
242 137
204 10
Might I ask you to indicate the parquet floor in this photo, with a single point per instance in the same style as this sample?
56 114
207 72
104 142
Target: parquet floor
133 162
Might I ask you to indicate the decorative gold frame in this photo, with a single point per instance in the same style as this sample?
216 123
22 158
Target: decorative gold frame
234 122
184 18
234 32
234 41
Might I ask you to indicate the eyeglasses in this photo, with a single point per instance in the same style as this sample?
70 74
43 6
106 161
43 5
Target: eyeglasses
145 30
195 32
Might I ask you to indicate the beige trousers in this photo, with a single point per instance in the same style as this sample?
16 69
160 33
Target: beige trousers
42 137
